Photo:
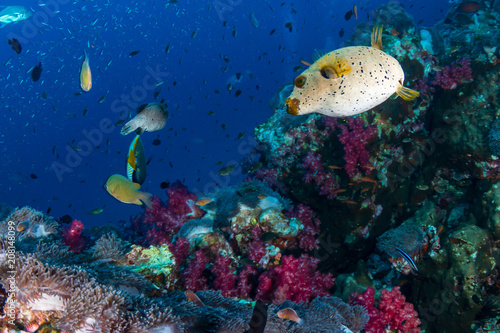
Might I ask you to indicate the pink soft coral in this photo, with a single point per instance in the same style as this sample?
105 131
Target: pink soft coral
72 237
296 279
307 237
354 141
166 220
453 75
393 312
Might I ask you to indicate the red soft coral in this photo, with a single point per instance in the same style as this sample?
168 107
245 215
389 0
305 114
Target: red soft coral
393 312
72 237
356 156
192 276
296 279
307 236
225 278
166 220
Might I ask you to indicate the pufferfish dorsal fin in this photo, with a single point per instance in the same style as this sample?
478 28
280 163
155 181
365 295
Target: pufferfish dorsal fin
332 66
377 37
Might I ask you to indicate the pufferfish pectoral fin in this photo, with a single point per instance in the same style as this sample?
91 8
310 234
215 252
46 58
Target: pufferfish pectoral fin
377 37
332 66
406 93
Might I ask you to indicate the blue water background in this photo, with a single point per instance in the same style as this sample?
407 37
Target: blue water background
193 141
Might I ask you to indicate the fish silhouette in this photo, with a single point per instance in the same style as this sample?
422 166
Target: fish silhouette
36 72
16 46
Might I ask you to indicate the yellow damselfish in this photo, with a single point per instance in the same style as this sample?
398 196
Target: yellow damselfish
126 191
86 75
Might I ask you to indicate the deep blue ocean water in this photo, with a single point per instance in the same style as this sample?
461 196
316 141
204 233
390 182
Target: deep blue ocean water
210 42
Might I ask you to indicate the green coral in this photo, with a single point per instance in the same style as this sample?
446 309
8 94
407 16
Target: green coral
151 261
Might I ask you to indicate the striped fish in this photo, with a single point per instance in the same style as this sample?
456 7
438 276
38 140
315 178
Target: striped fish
136 161
410 261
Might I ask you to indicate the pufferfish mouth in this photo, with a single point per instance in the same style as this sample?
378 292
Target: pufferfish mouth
292 106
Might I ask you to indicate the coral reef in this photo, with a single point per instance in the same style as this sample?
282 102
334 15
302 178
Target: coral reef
69 298
391 312
343 206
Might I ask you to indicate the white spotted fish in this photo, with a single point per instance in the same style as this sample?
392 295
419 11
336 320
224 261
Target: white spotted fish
349 81
150 117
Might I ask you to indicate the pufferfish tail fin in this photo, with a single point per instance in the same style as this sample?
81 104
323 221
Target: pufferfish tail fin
406 93
377 37
332 66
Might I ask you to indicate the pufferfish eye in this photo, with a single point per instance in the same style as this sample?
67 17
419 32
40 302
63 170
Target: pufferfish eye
300 81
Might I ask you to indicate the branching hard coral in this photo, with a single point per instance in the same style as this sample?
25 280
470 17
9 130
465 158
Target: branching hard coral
108 247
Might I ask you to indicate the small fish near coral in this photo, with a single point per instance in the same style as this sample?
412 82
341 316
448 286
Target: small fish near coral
349 81
410 261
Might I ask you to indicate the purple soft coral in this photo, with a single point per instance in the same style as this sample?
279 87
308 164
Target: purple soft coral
354 142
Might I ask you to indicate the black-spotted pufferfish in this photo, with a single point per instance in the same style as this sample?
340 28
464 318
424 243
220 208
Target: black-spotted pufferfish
349 81
150 117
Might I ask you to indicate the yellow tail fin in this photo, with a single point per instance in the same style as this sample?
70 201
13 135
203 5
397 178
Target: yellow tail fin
377 37
406 93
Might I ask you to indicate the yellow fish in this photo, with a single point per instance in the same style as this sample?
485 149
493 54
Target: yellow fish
85 74
136 161
125 191
349 81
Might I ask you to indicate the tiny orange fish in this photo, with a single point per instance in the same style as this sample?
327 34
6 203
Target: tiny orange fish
365 189
369 180
338 191
382 121
290 314
21 226
203 201
350 202
355 10
192 297
305 63
457 241
394 32
334 167
370 167
262 196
